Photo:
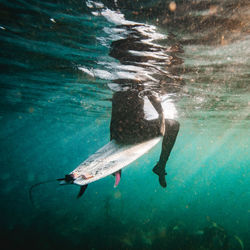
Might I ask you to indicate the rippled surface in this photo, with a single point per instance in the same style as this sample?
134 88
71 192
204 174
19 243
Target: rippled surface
61 63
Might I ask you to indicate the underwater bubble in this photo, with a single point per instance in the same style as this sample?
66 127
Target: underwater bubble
172 6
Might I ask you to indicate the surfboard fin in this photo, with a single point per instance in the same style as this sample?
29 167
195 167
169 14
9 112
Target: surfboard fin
118 175
82 190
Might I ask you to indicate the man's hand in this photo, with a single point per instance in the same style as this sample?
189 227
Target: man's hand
157 105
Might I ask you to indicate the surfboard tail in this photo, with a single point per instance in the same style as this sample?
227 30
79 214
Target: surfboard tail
68 179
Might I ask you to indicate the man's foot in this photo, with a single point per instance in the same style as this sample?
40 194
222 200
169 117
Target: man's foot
162 180
160 171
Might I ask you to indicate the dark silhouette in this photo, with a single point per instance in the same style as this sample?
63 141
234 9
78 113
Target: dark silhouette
128 126
128 123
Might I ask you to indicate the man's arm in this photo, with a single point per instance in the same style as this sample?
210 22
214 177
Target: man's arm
157 105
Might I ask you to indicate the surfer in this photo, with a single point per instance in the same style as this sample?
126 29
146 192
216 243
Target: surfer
140 55
128 125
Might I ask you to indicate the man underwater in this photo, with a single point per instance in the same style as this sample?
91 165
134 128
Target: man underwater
128 125
151 64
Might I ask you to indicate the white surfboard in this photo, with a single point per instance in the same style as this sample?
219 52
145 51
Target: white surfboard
109 159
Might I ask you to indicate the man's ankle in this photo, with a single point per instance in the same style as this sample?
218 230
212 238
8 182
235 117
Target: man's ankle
159 169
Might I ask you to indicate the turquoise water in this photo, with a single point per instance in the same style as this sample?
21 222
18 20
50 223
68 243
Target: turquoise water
55 111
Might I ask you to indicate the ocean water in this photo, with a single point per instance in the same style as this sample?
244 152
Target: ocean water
59 70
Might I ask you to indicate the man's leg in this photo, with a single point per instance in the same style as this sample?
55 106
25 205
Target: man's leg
171 131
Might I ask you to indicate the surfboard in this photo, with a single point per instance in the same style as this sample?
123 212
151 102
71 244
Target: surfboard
109 159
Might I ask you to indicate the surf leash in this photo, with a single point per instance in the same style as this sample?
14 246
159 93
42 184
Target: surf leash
36 185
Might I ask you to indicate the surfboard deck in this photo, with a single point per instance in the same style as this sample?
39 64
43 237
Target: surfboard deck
109 159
